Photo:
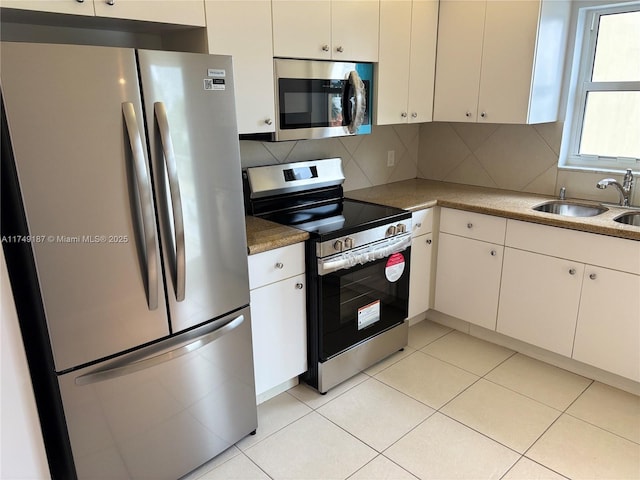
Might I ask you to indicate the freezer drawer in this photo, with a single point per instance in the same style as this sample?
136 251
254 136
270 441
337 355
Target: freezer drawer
163 410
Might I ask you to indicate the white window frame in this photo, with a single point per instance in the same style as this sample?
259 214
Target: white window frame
581 85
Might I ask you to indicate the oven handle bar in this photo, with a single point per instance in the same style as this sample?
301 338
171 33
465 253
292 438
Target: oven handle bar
367 255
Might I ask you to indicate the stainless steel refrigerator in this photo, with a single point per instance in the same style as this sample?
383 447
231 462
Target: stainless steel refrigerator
127 168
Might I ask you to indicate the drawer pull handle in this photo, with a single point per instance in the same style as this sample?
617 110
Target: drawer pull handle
593 276
299 286
418 225
469 225
572 271
429 241
493 253
279 265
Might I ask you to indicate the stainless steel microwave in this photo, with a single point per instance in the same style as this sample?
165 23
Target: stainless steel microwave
320 99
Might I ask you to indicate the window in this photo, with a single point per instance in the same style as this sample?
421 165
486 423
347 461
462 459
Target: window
602 128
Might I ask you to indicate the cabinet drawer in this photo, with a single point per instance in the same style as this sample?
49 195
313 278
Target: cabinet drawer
602 250
422 222
275 265
473 225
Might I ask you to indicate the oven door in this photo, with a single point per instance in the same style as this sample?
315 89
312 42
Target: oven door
322 99
361 301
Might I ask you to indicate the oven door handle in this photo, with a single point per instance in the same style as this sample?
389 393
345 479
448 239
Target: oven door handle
359 106
351 259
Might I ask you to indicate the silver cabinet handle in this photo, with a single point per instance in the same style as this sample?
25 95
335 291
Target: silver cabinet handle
483 114
493 253
340 49
429 241
403 114
110 2
176 199
325 48
268 121
572 271
157 354
593 276
418 225
279 265
468 114
414 115
80 1
143 184
299 286
469 225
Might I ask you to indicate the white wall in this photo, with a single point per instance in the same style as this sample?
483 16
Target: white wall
22 454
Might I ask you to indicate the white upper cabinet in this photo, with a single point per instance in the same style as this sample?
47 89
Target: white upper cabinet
500 61
405 74
326 29
243 30
73 7
178 12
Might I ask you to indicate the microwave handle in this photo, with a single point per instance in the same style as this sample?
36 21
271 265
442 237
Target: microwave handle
360 102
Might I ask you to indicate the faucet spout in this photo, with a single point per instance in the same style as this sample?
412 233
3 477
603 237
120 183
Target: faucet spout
624 189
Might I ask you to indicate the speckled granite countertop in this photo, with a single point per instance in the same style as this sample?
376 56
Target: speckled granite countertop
417 194
263 235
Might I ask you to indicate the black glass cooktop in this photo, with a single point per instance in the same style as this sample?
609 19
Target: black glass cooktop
339 218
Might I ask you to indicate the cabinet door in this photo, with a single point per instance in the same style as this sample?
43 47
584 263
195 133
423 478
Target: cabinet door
279 328
243 30
507 60
392 82
460 32
424 29
608 330
420 278
354 30
468 279
539 299
180 12
302 29
72 7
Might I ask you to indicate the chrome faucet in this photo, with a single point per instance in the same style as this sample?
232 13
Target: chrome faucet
624 190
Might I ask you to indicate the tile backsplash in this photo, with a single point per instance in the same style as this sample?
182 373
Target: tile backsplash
513 157
364 157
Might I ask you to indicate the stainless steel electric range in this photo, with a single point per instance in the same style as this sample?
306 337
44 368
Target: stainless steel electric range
358 259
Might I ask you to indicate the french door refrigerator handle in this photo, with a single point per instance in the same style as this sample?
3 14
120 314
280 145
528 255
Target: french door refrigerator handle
149 356
144 191
176 199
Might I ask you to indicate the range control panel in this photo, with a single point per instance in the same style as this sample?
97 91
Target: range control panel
359 239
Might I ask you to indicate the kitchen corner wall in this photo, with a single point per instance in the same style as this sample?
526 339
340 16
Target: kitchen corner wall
364 157
523 158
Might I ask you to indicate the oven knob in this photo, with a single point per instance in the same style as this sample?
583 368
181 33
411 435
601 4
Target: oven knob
348 242
391 231
337 245
401 228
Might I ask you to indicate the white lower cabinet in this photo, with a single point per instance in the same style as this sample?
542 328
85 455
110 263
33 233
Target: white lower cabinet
421 262
608 331
278 315
470 250
539 299
468 279
573 293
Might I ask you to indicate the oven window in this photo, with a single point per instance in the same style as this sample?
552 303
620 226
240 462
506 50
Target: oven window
360 302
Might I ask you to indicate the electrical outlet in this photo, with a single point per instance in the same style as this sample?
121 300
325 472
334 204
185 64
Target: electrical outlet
391 158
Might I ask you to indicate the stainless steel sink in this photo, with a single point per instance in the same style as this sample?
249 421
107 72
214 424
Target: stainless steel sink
569 209
630 218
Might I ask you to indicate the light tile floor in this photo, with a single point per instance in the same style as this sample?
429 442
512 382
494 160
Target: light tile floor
449 406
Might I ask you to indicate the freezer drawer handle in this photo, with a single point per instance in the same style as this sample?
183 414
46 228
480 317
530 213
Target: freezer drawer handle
149 357
146 206
176 199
